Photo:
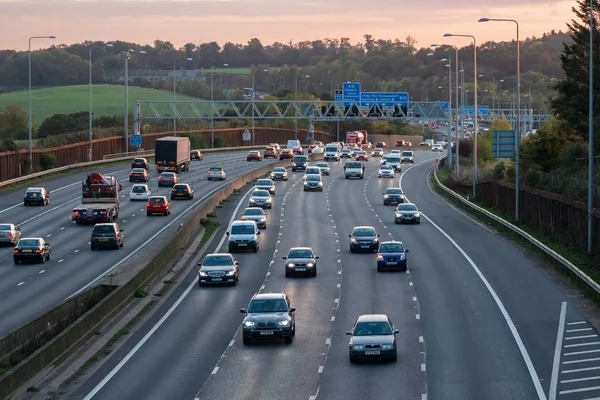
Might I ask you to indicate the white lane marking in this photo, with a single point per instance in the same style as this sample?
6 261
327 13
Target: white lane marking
580 361
582 344
570 371
588 389
417 316
42 271
48 235
557 348
22 283
333 318
420 339
62 228
511 325
580 337
231 343
422 367
576 323
328 341
76 251
47 211
61 260
410 283
578 330
214 371
576 353
320 369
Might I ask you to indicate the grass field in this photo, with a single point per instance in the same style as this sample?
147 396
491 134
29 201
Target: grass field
106 100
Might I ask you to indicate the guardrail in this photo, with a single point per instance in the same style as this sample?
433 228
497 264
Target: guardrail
563 261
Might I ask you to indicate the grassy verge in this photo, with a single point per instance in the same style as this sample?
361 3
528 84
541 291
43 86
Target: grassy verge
575 256
209 228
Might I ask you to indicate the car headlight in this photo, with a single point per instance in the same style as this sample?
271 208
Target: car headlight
252 201
249 323
269 200
385 196
310 265
202 273
402 256
398 215
262 220
230 273
376 240
386 347
320 183
352 240
379 257
285 322
358 347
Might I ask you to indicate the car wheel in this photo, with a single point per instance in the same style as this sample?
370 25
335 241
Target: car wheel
419 222
247 341
351 359
287 274
230 250
378 269
395 357
314 274
168 212
289 339
148 214
48 257
43 259
93 248
351 249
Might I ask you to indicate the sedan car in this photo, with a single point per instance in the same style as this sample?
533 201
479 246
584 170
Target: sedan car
256 214
285 154
216 173
196 155
36 195
373 337
106 235
386 171
297 150
313 182
269 315
437 148
140 163
270 152
408 156
346 153
168 179
266 184
393 196
364 238
219 268
139 192
9 233
139 175
260 198
362 156
407 213
301 260
182 191
377 152
254 155
391 255
31 249
158 205
279 174
324 167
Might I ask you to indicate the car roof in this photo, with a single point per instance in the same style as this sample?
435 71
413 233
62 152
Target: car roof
363 227
218 254
373 317
105 224
35 188
32 238
243 223
268 296
253 208
300 248
392 242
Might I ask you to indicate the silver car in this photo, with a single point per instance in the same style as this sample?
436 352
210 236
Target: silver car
373 337
279 173
407 213
256 214
9 233
386 171
260 198
216 173
266 184
219 268
324 167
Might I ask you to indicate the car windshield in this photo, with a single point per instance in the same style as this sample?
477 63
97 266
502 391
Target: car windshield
254 211
407 207
34 190
104 229
260 193
407 154
215 169
139 161
139 189
345 151
264 182
364 232
393 191
217 261
311 170
322 165
393 158
137 171
267 306
245 229
156 200
332 149
5 227
391 248
167 175
300 159
353 165
386 167
279 169
300 253
372 328
313 178
29 243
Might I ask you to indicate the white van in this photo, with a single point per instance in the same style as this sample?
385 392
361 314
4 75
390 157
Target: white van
332 152
293 143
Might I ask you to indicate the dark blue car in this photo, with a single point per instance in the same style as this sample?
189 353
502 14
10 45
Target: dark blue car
391 256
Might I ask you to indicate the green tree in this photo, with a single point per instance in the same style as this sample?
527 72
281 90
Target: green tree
499 124
543 150
14 123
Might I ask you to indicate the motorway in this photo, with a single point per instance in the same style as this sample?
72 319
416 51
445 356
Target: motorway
28 290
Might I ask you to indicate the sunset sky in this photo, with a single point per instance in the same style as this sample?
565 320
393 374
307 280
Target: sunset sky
182 21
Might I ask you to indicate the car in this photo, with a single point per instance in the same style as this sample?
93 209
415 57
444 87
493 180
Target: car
270 152
362 156
317 150
182 191
383 160
285 154
364 238
407 213
276 146
313 170
297 150
243 235
254 155
380 145
219 268
106 235
313 182
400 143
395 152
36 195
393 196
139 192
346 153
257 215
9 233
373 337
392 255
158 205
407 156
324 168
140 163
31 249
266 184
196 155
139 175
279 174
425 144
300 163
268 315
168 179
354 169
437 148
318 143
216 173
260 198
311 147
377 152
355 150
386 171
301 260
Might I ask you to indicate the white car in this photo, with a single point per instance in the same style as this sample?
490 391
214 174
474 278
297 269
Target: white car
217 173
139 192
437 148
317 150
386 171
383 159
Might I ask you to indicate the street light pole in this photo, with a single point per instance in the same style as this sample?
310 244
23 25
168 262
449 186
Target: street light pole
30 142
212 105
295 107
90 112
590 207
126 125
174 100
253 98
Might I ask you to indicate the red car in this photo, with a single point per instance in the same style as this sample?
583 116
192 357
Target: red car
286 153
362 156
298 150
158 205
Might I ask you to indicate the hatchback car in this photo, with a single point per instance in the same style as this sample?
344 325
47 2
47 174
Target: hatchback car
301 260
300 163
270 152
297 150
255 214
407 213
346 153
196 155
216 173
9 233
243 235
279 174
373 337
139 175
437 148
140 163
266 184
408 156
260 198
182 191
285 154
364 238
219 268
31 249
393 196
313 183
168 179
313 170
158 205
36 195
362 156
386 171
139 192
325 170
377 152
106 235
392 255
269 315
254 155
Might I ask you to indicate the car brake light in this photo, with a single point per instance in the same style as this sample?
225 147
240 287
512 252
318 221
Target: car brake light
174 190
9 235
186 190
38 250
160 178
243 218
15 250
115 234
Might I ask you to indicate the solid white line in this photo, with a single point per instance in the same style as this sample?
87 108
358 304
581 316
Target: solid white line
580 361
231 343
580 337
570 371
320 369
557 348
581 344
215 370
587 389
576 323
578 330
590 378
575 353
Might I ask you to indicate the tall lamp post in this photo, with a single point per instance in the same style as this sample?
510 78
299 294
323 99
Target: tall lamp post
475 116
30 111
518 126
126 125
175 97
212 107
591 137
296 105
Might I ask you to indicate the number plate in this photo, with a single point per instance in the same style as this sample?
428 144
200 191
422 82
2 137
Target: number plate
372 352
392 263
34 195
266 333
242 244
156 206
365 247
27 251
1 234
300 269
217 279
104 239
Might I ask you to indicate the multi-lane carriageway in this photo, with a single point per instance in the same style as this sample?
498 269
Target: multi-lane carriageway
478 318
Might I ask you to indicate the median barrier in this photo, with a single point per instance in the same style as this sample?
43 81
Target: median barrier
59 345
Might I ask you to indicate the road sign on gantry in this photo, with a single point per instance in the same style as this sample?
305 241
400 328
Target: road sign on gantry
135 140
350 93
384 99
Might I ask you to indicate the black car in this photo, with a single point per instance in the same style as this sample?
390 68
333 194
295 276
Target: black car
106 235
140 163
182 191
31 249
219 268
300 163
36 195
269 315
301 260
364 238
393 196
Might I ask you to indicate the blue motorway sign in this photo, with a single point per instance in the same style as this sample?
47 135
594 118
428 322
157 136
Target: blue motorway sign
338 98
350 93
135 140
443 105
384 99
504 144
470 110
